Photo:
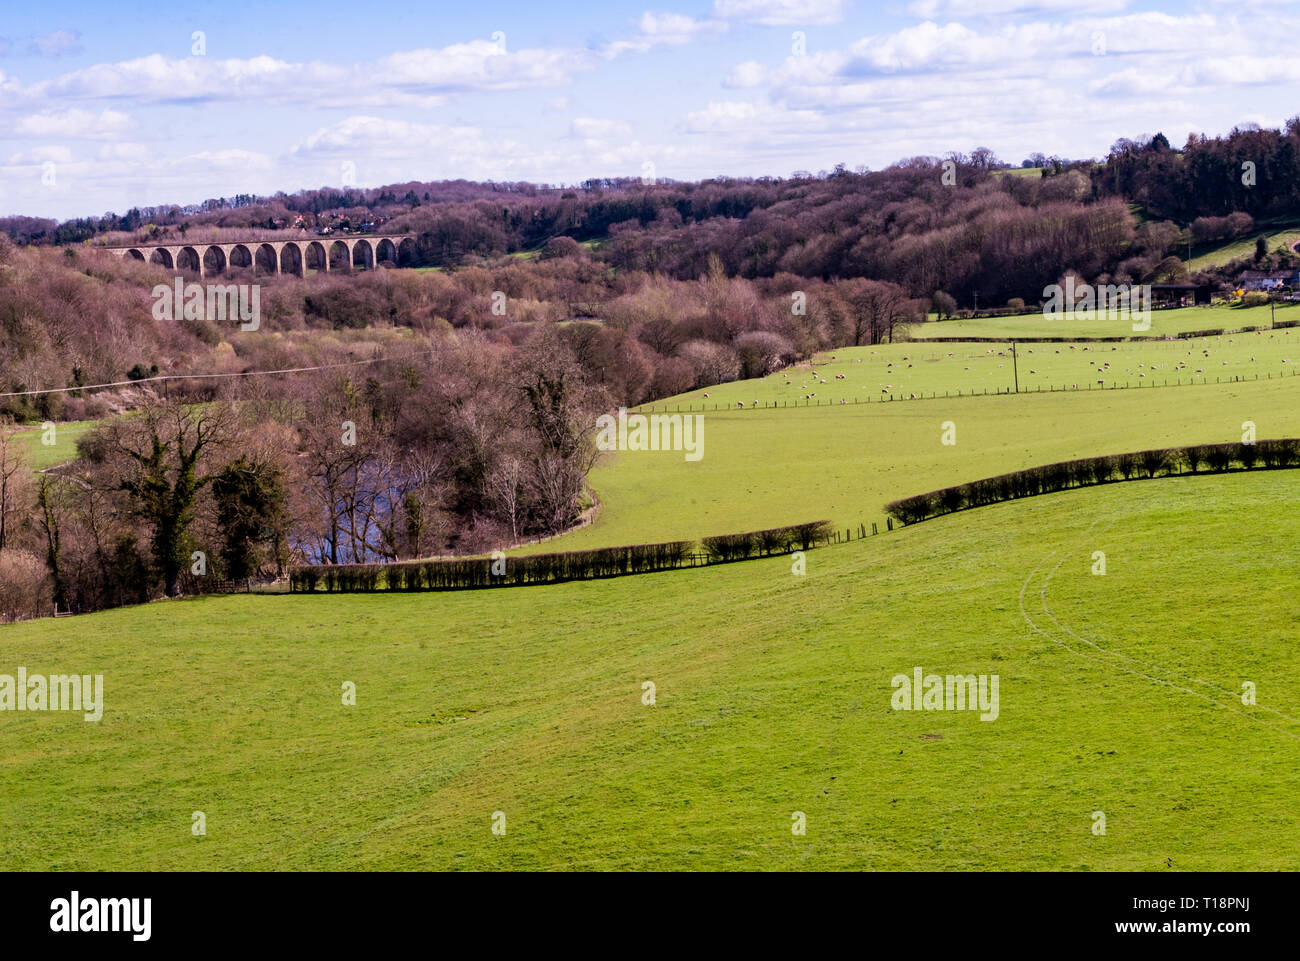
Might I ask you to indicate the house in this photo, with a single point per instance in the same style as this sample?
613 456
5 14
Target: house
1268 279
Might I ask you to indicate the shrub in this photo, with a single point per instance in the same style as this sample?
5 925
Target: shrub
1218 456
1048 478
1153 461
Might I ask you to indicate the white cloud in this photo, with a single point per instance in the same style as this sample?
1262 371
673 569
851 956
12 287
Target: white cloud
136 153
57 43
781 13
664 29
76 124
729 116
932 9
44 154
419 78
596 128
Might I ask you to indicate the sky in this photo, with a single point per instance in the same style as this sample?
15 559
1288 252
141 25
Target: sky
105 106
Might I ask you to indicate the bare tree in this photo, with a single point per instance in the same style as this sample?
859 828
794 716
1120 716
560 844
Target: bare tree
13 482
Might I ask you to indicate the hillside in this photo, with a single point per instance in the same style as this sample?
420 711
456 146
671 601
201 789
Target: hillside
1117 694
844 462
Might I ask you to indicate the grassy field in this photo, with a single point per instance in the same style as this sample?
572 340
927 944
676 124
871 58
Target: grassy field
1117 694
859 374
1277 236
1172 321
843 463
62 450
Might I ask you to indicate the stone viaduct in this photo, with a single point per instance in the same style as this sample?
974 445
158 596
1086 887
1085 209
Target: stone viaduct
275 256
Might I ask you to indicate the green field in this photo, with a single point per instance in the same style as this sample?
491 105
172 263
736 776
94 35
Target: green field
1117 694
1163 322
64 448
843 463
862 374
1283 236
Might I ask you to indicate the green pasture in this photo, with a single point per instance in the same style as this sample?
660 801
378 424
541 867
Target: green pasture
1278 236
766 467
1174 320
42 455
1117 694
862 374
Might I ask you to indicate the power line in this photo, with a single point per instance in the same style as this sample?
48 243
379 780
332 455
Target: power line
168 377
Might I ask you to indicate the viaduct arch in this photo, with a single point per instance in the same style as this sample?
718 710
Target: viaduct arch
275 256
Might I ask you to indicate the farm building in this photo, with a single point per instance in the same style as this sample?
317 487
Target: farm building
1181 295
1268 279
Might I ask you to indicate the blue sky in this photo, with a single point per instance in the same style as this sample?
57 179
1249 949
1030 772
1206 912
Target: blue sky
102 109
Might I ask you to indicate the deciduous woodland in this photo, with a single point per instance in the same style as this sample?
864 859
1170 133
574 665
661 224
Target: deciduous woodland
449 411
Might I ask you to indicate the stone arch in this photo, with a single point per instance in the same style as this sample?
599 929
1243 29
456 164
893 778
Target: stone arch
240 256
214 260
340 256
315 257
363 255
267 259
135 254
291 259
187 258
386 251
406 252
163 257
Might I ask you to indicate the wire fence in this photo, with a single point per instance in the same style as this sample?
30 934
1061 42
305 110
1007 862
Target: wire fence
803 403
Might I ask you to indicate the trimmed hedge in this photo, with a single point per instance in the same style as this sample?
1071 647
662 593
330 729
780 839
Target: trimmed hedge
460 574
765 543
1090 471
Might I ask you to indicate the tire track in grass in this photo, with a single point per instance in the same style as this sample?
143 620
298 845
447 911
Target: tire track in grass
1105 657
1234 695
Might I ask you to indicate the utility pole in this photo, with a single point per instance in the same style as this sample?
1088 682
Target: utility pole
977 299
1015 367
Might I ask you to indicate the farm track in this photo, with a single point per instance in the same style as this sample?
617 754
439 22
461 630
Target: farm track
1061 635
